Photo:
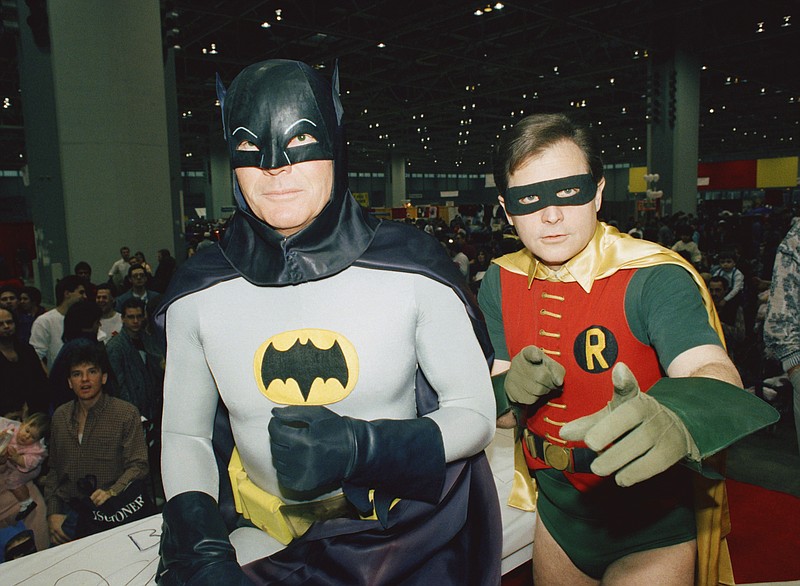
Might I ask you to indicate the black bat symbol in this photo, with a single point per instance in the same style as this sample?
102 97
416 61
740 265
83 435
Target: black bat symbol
304 363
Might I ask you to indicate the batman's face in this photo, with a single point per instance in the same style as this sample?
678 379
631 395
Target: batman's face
288 198
279 113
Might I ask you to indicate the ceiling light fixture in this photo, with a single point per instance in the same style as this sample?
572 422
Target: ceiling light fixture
265 24
760 28
381 45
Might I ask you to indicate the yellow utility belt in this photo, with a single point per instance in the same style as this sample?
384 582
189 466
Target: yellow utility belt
282 521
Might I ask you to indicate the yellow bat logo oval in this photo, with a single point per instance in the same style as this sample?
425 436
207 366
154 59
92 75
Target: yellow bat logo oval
306 367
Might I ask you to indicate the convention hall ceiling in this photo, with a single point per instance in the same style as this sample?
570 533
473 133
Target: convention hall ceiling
435 82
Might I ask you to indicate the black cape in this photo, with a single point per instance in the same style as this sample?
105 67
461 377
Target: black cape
456 541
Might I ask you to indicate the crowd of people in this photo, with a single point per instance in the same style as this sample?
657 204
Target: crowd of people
735 254
326 426
99 333
82 387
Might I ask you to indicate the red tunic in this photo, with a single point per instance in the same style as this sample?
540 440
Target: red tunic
587 334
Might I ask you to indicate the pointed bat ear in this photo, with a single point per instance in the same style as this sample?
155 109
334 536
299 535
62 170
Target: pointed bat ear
337 103
221 92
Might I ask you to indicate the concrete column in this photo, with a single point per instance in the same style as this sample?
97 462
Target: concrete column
221 193
396 181
174 146
673 128
96 135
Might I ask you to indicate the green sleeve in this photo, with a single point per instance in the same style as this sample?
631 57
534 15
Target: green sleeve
500 397
664 310
716 414
490 303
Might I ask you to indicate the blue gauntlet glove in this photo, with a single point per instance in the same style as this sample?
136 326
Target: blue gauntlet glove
195 548
314 448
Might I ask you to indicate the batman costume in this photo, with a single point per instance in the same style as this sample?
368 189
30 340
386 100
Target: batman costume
348 406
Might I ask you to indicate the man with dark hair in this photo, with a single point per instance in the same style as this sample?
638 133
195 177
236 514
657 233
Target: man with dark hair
119 270
731 315
111 319
686 245
9 298
164 271
608 347
48 328
92 436
137 276
30 301
23 381
337 408
137 361
28 309
84 270
81 327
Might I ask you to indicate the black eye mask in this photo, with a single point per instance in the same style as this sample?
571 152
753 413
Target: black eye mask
545 194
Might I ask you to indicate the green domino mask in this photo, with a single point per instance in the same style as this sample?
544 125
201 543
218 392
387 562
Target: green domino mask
575 190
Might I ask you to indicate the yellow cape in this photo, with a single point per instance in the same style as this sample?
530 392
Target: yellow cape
608 252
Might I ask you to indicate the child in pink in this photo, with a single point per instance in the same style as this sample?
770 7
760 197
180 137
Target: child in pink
21 459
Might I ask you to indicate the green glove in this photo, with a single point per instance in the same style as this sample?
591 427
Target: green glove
533 374
654 437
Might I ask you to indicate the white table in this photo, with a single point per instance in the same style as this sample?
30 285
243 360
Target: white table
128 555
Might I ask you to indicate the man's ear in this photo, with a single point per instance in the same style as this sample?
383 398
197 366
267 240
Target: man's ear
503 205
598 198
105 377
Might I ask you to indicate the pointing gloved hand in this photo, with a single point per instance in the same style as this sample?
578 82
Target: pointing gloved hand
532 374
656 438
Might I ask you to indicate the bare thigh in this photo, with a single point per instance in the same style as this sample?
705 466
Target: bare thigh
551 565
668 566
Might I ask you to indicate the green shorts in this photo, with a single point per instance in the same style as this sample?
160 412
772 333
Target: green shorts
598 527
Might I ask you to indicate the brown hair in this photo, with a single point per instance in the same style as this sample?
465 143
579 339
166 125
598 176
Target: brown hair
40 421
532 135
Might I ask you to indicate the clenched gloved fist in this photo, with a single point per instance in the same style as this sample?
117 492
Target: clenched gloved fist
533 374
657 439
311 446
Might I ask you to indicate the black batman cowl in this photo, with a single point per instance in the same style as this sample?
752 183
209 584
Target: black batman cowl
263 99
